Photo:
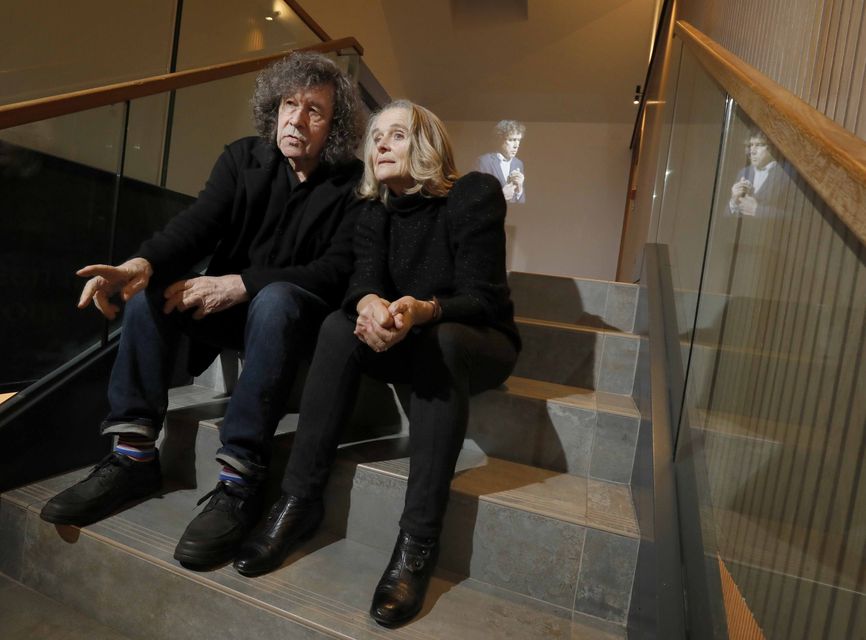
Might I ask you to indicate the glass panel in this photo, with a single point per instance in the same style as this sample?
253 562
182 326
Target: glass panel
55 46
687 195
776 399
57 182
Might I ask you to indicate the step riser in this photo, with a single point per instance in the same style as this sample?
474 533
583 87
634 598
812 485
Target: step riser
481 540
553 435
593 360
364 505
546 434
588 302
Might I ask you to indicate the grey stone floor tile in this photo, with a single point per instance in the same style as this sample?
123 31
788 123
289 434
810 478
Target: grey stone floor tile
325 587
558 298
609 506
560 355
28 615
13 523
606 575
618 364
614 450
576 430
621 306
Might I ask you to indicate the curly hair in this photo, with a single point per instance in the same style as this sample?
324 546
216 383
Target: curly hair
431 159
509 128
302 70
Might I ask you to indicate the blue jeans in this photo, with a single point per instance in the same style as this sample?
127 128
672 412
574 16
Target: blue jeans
275 330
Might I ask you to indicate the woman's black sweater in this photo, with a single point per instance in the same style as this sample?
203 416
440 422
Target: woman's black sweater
450 247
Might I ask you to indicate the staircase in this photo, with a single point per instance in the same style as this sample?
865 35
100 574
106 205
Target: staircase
540 539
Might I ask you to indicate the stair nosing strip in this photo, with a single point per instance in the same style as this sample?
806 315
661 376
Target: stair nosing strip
574 327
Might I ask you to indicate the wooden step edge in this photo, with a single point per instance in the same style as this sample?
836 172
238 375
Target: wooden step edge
628 285
590 399
574 327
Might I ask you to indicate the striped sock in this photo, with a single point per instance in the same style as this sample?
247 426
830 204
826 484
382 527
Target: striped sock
230 475
137 449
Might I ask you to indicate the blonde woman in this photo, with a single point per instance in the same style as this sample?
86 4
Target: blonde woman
428 305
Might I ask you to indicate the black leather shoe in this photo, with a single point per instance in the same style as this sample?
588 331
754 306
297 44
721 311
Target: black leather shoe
214 535
114 481
290 521
400 593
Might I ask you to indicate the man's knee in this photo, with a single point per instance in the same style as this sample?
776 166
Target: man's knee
284 302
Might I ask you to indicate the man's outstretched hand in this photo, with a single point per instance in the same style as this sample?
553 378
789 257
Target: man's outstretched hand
105 281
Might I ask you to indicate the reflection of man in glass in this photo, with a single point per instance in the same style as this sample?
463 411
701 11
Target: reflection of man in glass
757 189
504 164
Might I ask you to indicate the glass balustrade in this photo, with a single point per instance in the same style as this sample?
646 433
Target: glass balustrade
770 301
57 194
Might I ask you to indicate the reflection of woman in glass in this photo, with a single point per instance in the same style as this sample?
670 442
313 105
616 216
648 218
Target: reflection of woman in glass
429 306
757 191
504 164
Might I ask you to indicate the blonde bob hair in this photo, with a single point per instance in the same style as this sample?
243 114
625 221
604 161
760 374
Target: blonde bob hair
431 159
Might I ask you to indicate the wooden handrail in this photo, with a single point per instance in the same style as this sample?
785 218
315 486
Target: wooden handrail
831 159
19 113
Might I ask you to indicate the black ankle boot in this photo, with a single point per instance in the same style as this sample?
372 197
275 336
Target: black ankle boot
290 521
400 593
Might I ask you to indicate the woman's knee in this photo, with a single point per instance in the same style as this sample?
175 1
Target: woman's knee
452 342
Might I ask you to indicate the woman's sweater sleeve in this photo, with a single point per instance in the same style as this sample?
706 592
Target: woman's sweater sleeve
476 220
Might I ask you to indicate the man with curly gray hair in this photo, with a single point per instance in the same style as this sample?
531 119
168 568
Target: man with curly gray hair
276 218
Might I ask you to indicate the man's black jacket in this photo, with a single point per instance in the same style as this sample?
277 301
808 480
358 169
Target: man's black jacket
245 195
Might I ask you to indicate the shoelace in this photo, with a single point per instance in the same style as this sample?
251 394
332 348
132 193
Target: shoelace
104 465
222 494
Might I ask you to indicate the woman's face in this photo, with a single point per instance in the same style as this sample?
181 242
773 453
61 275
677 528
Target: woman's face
390 137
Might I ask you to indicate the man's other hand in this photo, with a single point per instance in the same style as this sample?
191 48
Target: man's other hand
205 294
105 281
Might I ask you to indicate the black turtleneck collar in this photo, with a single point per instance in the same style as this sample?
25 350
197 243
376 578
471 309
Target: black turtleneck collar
409 202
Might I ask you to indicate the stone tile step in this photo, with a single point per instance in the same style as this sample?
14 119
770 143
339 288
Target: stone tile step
577 355
28 615
557 427
496 507
577 537
543 424
596 303
323 591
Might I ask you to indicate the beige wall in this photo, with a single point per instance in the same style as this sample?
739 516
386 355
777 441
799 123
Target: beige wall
576 175
813 48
